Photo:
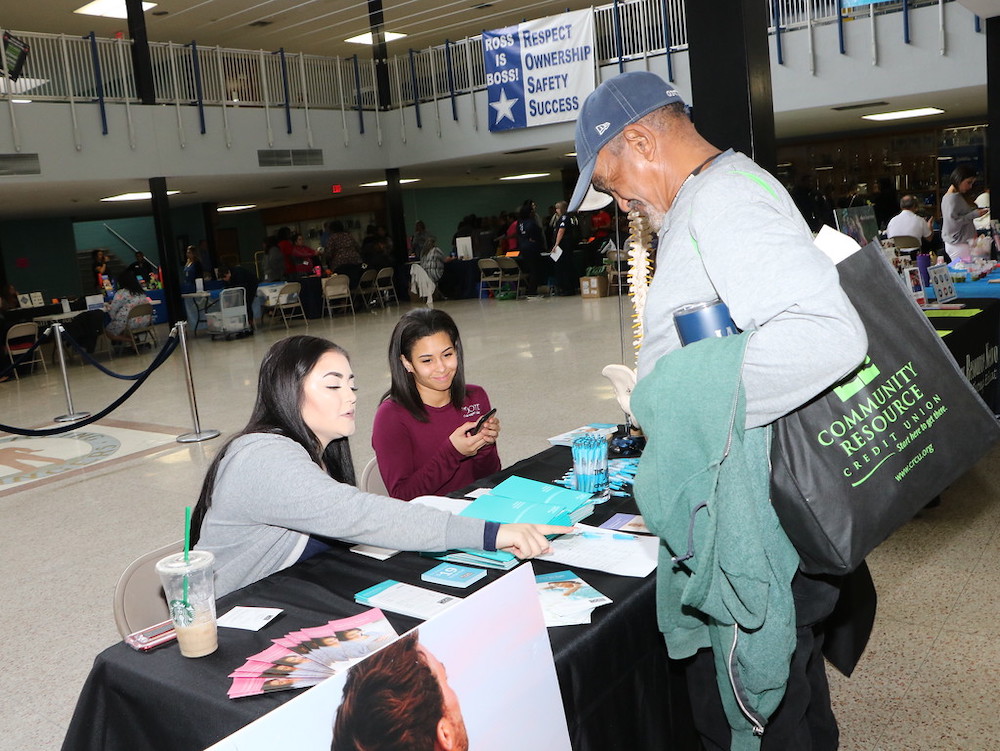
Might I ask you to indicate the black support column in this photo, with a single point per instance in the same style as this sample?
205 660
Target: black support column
993 102
380 53
141 61
394 212
731 76
170 260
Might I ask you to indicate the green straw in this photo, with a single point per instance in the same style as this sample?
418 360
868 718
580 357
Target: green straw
187 534
187 550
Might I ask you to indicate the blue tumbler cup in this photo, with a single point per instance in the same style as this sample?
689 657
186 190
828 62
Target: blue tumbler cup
702 320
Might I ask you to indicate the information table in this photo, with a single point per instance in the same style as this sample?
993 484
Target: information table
619 690
972 335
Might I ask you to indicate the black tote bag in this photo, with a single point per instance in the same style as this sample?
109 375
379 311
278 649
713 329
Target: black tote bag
858 461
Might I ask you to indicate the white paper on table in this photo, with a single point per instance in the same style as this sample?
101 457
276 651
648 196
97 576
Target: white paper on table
606 550
454 505
247 618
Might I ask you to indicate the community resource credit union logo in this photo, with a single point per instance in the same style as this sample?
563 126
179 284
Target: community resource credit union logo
37 457
884 415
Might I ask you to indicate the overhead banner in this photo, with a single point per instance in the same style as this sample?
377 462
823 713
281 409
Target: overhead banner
539 72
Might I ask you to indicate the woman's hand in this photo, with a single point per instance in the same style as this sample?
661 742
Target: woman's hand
527 540
469 445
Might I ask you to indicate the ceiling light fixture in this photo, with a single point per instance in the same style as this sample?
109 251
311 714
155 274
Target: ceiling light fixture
383 183
904 114
108 8
136 196
526 176
223 209
366 38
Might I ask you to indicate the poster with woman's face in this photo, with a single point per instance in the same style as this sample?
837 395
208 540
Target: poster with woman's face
480 664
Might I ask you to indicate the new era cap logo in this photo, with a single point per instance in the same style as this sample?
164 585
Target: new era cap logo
602 128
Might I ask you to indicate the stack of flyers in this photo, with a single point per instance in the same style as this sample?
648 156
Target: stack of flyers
306 657
621 473
407 599
567 599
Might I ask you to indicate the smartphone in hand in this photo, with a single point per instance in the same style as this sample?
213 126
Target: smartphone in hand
482 420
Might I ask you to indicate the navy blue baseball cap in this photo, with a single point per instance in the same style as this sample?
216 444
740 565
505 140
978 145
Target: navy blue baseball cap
610 108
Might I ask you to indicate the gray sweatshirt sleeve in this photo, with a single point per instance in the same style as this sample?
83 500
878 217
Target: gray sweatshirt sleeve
269 496
763 263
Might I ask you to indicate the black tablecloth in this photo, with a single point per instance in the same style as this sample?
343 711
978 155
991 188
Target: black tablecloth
460 279
973 342
617 685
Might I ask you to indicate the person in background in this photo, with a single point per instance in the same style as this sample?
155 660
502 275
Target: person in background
285 245
636 143
906 223
399 699
564 241
375 250
286 480
8 298
303 257
433 259
530 244
237 276
274 263
342 253
418 240
193 269
421 433
128 295
141 268
99 265
983 201
957 213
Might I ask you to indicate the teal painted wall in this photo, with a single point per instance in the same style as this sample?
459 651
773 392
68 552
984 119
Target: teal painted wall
138 230
441 209
40 256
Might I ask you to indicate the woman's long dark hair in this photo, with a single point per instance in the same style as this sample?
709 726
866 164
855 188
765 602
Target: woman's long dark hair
962 173
413 326
127 281
278 410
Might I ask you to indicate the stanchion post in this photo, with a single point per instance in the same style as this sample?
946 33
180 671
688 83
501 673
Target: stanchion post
198 434
71 414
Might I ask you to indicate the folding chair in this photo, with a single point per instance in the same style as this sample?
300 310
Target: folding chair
489 275
337 293
141 332
366 290
286 304
384 286
510 273
20 338
139 600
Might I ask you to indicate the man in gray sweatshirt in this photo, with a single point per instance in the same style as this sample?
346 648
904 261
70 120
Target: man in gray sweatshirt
728 230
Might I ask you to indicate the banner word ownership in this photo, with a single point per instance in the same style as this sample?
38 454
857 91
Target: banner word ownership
539 72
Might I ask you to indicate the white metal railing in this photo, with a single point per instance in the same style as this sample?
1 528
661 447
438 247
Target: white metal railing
63 68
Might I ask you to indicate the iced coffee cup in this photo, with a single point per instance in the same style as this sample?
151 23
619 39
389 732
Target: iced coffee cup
190 589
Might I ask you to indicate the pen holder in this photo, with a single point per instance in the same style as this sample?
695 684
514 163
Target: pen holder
590 465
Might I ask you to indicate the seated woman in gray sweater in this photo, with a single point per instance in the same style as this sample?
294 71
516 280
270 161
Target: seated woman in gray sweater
287 479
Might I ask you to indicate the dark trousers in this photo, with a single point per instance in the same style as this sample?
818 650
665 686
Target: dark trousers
804 720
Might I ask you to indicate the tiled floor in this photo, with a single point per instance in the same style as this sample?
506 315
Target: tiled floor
926 684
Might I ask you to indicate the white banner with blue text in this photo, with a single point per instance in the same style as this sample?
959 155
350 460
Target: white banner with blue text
539 72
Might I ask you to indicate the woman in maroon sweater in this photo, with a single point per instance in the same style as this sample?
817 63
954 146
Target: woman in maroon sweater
421 431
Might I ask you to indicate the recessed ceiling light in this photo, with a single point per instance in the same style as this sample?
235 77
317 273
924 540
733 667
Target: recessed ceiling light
526 176
570 154
366 38
136 196
108 8
903 114
827 166
223 209
383 183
